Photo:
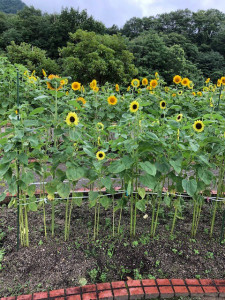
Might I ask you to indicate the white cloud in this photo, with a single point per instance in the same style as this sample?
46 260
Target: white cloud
119 11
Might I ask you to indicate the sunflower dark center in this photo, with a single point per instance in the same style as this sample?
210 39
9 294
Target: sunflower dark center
163 104
72 119
134 106
178 117
100 155
199 126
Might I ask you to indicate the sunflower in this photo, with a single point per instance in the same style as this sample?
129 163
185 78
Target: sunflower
167 89
49 84
193 93
76 86
93 84
72 119
112 100
128 88
153 83
199 94
177 79
222 79
96 89
207 80
198 126
32 79
190 85
81 99
157 75
174 95
180 93
100 155
134 106
135 82
117 87
185 81
179 117
100 126
144 81
205 89
162 104
218 82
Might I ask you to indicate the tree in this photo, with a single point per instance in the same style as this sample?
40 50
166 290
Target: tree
91 56
11 6
152 54
32 57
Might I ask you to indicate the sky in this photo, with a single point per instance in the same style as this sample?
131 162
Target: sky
119 11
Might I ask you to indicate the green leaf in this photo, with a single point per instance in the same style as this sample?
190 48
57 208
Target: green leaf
32 205
31 190
105 202
36 111
194 146
93 196
106 182
127 161
148 168
141 192
63 189
75 173
23 158
176 164
27 177
153 136
148 181
141 205
3 169
117 167
190 186
8 157
51 187
2 197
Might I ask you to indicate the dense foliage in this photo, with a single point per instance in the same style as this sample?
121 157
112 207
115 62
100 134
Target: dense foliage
11 6
191 42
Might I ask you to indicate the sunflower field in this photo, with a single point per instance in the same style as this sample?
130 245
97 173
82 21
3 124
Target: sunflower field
150 142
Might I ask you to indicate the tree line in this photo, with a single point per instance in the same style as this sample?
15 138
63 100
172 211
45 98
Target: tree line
74 43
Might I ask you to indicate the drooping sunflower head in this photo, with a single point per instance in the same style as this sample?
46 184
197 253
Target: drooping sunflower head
100 155
82 100
162 104
218 82
76 86
135 82
177 79
117 87
179 117
144 81
222 79
100 126
134 106
207 80
72 119
190 85
153 83
198 126
128 88
112 100
205 89
185 81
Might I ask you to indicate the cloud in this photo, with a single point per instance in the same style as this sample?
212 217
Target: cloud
119 11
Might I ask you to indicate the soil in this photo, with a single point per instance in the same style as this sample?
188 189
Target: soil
54 264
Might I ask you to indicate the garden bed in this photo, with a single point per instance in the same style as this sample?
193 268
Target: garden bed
55 264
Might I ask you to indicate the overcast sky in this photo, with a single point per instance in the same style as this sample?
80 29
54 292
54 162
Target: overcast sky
119 11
